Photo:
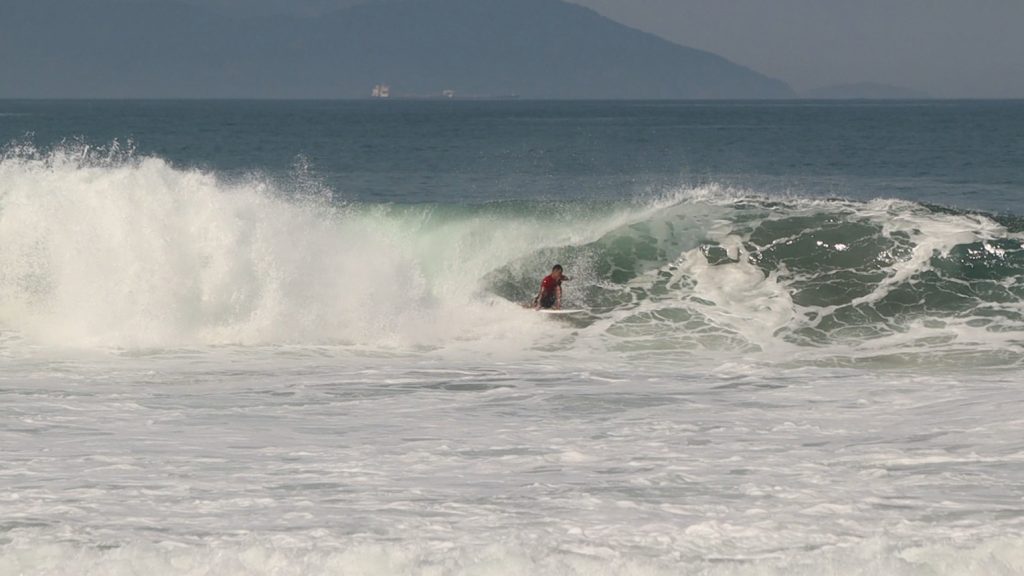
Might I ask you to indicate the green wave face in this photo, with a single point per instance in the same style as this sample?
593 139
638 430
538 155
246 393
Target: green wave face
879 279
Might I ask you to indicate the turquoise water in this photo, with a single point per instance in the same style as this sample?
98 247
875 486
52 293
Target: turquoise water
287 338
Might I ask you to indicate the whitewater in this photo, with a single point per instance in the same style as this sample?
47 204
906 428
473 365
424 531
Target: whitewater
211 373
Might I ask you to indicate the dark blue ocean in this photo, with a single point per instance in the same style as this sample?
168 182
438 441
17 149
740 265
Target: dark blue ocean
956 154
248 337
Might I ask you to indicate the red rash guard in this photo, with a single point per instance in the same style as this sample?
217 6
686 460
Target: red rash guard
548 286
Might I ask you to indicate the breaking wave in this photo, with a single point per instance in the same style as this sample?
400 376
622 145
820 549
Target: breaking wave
101 247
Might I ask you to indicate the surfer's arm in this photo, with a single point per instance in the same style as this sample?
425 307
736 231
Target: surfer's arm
558 302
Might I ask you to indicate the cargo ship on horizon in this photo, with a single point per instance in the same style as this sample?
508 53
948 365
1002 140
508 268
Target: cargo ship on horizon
383 92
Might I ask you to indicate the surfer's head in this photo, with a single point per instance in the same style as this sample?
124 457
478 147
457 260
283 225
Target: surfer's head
556 271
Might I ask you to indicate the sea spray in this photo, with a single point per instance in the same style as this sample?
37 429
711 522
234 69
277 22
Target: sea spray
132 251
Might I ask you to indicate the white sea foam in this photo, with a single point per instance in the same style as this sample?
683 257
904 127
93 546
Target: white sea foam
134 252
269 461
284 557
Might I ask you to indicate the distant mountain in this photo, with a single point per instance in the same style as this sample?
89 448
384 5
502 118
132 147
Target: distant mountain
865 91
532 48
272 7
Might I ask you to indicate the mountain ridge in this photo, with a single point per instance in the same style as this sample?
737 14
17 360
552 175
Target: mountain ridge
532 48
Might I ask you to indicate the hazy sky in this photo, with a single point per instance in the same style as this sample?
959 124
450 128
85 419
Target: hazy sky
944 47
947 48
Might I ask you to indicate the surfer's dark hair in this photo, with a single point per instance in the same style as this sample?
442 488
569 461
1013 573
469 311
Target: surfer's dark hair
556 267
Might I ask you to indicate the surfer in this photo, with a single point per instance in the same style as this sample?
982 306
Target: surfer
550 295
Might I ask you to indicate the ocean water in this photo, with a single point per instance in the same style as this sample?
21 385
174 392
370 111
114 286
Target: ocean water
286 338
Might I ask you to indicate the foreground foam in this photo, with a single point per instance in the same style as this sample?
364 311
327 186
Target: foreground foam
282 557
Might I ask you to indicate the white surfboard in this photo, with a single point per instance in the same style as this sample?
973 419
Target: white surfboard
560 312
